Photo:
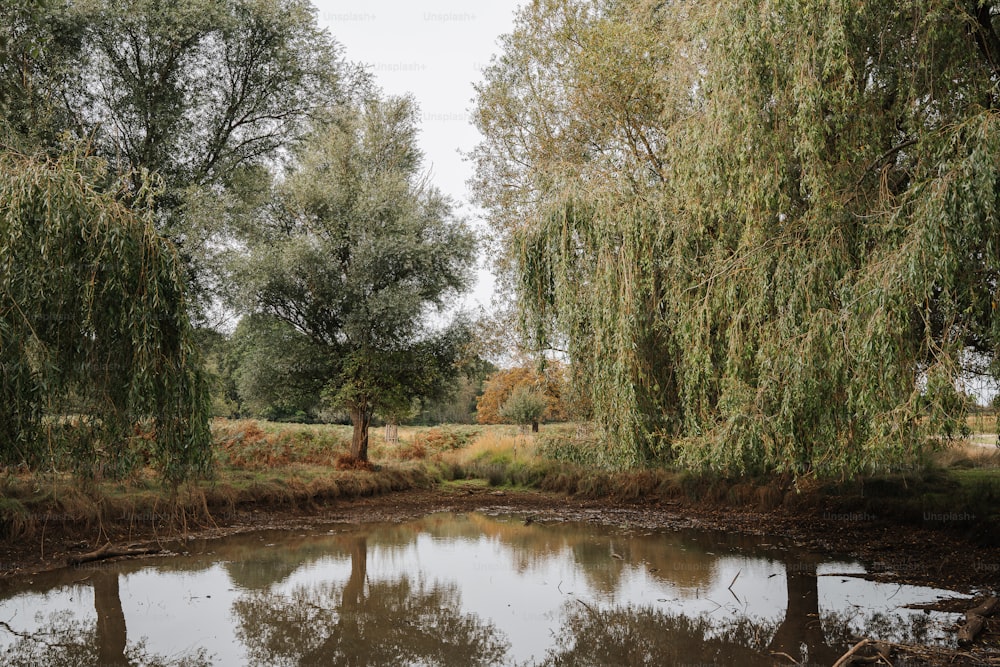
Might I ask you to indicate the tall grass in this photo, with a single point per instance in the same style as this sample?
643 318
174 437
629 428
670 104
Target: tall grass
417 443
295 465
502 455
969 454
982 423
253 445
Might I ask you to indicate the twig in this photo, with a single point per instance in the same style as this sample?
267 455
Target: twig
734 580
28 635
589 608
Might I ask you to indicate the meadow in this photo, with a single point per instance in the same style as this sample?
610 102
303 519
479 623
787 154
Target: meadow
263 465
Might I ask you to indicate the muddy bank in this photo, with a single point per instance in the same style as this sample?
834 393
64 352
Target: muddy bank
933 555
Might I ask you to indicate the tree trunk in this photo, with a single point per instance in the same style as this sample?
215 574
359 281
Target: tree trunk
534 427
361 417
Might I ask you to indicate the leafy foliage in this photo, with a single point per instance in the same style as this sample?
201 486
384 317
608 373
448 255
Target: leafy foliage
356 251
91 308
767 230
38 43
193 89
276 370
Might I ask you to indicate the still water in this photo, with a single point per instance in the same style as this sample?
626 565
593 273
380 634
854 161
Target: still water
461 589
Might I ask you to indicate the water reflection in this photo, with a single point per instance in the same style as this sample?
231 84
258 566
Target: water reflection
467 589
62 639
388 622
644 636
111 633
800 629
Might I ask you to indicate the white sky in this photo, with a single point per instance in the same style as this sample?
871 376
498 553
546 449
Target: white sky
435 50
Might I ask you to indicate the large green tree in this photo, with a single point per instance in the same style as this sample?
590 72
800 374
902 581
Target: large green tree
194 89
181 103
356 250
39 44
191 90
767 230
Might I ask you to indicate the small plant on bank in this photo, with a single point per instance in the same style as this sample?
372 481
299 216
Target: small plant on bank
525 406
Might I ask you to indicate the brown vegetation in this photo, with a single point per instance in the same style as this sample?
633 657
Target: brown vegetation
499 387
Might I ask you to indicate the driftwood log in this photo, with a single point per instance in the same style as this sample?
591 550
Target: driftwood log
110 551
975 621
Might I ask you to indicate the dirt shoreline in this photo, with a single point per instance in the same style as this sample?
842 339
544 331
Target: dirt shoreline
889 550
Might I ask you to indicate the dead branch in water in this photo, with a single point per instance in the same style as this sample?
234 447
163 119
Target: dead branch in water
110 551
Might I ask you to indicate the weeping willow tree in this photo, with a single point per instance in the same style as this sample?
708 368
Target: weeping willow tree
96 348
768 231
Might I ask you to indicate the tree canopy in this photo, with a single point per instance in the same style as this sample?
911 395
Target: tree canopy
355 252
204 94
767 230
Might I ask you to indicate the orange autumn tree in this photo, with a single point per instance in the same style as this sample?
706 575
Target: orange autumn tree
499 387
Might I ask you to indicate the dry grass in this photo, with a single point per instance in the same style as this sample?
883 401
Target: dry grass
254 445
347 462
256 463
302 466
498 444
422 442
982 423
968 454
26 509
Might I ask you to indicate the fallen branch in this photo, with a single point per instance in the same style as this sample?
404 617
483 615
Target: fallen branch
848 657
987 608
973 626
109 551
785 655
883 650
975 621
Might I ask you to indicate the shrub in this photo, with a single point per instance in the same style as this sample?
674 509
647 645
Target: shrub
525 406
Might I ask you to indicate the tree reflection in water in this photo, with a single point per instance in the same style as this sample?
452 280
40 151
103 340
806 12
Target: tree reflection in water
801 634
393 608
375 623
644 636
65 640
396 622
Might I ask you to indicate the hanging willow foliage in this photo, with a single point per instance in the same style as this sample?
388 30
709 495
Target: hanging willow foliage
769 229
92 316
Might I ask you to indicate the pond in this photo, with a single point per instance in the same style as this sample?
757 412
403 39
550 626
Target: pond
461 589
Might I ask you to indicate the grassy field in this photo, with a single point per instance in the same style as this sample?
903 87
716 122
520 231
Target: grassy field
983 429
296 465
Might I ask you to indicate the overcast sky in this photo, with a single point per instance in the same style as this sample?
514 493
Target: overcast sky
435 50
